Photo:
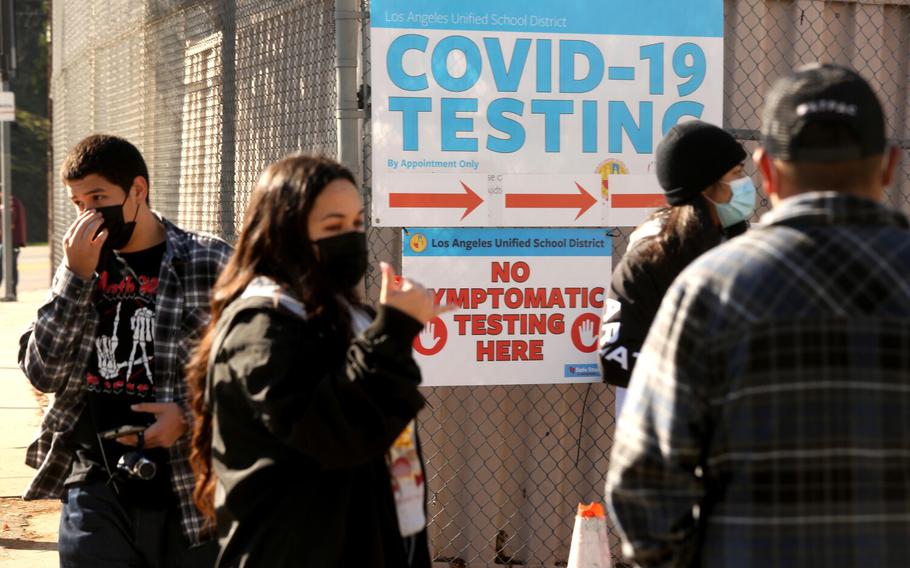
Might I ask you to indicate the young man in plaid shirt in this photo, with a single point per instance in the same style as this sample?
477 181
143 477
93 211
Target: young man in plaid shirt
768 419
111 342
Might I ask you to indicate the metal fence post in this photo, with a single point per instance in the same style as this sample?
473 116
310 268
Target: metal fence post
8 245
347 114
228 116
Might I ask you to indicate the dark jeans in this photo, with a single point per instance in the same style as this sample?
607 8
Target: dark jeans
15 268
97 530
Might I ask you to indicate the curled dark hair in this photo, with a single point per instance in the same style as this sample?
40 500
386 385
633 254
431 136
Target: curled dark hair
111 157
275 243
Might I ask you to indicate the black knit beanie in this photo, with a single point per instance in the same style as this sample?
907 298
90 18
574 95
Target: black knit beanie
692 156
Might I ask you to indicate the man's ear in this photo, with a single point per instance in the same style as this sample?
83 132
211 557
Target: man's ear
892 159
765 166
141 187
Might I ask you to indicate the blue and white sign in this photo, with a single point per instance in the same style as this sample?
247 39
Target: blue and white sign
529 303
503 113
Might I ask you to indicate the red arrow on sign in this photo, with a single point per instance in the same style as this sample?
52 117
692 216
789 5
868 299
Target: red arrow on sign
582 200
469 200
638 200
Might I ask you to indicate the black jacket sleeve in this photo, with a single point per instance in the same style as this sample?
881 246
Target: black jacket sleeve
631 303
342 413
636 291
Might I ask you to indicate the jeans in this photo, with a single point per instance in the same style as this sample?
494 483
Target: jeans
97 530
15 268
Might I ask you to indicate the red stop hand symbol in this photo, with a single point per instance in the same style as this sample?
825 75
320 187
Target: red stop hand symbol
432 339
584 333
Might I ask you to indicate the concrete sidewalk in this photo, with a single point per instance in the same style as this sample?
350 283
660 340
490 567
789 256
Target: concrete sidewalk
28 530
34 269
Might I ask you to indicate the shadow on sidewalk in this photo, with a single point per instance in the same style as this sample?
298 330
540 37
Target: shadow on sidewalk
22 544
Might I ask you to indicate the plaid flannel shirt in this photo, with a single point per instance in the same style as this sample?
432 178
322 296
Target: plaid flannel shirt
768 418
55 349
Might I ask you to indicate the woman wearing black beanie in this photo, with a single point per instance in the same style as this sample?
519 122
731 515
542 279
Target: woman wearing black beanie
700 168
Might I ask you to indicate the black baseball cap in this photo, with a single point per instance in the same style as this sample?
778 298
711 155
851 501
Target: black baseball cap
822 93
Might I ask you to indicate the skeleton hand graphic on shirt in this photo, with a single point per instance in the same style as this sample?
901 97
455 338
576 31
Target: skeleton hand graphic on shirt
143 325
106 347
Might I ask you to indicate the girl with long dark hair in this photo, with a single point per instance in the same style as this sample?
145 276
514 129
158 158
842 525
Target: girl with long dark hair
700 168
304 444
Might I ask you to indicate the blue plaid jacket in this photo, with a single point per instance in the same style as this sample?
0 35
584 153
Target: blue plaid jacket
55 349
768 417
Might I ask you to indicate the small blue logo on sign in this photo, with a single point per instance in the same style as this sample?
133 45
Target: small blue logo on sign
582 370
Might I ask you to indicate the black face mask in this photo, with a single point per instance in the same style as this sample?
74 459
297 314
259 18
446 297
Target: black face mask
119 232
343 258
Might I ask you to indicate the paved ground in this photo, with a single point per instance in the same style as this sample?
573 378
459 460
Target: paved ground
28 530
34 269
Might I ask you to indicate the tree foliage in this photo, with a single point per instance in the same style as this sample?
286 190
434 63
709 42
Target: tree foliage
29 134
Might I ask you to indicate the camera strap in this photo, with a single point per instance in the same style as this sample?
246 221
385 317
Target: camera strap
93 414
105 260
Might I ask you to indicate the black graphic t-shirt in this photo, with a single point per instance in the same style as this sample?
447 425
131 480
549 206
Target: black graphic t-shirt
120 373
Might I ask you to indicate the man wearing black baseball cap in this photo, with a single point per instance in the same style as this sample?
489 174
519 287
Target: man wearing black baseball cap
768 418
823 130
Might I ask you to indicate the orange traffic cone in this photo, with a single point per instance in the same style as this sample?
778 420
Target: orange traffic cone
590 547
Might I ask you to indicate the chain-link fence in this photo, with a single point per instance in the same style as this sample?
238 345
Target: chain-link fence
210 91
213 90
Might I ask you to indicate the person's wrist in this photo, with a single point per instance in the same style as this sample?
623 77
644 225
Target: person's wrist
80 273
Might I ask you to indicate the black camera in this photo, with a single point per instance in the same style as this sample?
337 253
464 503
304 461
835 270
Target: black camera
137 466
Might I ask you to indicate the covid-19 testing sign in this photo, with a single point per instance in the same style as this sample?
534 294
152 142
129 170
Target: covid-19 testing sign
534 113
529 303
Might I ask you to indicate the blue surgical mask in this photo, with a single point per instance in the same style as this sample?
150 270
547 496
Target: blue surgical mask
740 206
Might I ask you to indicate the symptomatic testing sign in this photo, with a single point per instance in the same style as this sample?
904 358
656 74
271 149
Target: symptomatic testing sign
529 303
